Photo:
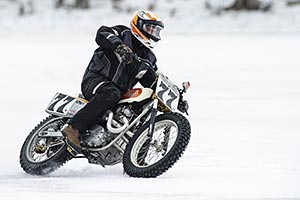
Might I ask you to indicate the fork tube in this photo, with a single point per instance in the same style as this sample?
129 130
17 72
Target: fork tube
152 119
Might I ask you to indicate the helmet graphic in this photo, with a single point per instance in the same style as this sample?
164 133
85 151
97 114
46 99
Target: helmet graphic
146 27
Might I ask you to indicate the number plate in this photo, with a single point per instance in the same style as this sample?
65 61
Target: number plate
167 92
64 105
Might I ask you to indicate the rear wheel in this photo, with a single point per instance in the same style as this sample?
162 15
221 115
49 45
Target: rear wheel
43 155
150 157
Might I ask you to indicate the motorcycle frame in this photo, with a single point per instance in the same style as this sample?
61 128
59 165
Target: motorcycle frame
152 105
148 107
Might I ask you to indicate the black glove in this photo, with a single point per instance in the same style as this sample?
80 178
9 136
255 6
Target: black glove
125 53
183 106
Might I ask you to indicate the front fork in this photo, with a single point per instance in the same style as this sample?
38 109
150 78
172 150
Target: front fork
147 144
152 119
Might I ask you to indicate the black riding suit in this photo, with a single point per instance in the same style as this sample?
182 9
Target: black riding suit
107 77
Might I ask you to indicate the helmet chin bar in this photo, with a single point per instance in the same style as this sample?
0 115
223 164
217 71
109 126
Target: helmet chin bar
147 43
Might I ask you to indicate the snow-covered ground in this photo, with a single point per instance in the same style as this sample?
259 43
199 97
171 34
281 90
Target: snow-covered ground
244 111
244 103
180 16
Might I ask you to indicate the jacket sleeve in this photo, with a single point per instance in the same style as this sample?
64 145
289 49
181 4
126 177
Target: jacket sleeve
108 38
149 78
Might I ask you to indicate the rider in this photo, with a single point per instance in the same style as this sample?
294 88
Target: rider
113 70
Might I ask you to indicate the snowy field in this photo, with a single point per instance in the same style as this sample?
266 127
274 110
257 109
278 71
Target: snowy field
180 16
244 70
244 112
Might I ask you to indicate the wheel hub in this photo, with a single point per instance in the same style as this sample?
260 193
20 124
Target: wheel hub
40 148
159 147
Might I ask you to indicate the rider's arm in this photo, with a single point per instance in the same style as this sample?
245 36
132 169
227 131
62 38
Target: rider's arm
149 78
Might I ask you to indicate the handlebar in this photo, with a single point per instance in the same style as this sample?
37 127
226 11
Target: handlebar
185 85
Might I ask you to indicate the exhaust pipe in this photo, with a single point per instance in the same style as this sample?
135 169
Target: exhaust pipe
115 130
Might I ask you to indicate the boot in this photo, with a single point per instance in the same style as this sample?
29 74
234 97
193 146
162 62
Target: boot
72 138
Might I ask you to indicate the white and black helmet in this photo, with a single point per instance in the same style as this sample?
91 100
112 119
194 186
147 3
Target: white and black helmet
146 27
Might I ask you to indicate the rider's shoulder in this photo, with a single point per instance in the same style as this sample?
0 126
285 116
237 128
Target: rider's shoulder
121 29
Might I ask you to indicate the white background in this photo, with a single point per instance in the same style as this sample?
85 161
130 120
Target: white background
244 105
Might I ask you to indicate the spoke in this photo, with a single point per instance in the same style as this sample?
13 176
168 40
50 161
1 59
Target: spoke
160 137
38 157
56 144
148 154
34 156
142 155
45 155
154 157
41 149
162 141
151 155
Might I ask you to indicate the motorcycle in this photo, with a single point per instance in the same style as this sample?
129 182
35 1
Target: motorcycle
146 131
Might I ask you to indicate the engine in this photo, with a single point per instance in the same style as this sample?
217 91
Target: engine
97 136
97 140
103 133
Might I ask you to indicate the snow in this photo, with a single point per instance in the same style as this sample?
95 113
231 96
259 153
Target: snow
244 107
180 16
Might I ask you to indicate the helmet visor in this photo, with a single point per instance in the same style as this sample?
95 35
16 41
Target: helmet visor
153 30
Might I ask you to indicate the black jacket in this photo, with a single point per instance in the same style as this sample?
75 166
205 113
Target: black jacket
106 66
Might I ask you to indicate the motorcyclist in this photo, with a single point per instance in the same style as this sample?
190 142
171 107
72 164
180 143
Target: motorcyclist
113 70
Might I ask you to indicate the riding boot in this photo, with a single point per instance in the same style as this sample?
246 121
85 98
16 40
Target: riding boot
72 138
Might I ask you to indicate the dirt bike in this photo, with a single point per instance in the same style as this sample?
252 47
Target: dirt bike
145 131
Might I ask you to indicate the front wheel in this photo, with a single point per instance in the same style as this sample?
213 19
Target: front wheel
150 157
42 155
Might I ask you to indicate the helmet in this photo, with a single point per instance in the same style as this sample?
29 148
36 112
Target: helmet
146 27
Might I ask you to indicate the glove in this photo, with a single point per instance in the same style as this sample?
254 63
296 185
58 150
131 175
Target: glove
183 106
125 53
